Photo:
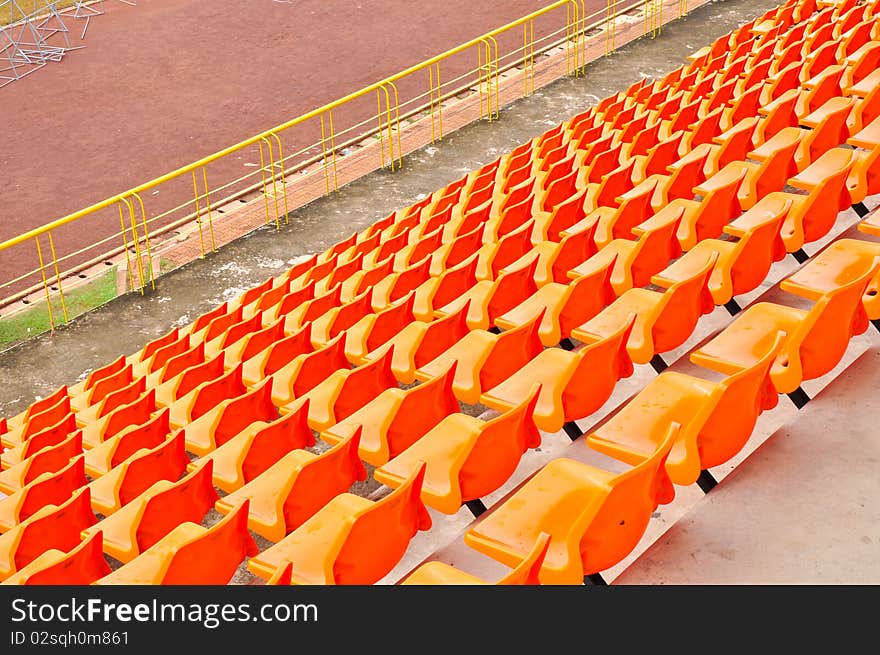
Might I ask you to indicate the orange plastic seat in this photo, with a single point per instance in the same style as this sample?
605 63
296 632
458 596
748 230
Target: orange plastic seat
341 273
297 486
234 334
228 418
160 357
252 294
556 259
276 356
36 407
114 400
305 372
37 423
815 339
291 302
311 309
268 299
456 250
52 527
840 262
120 485
176 387
813 215
376 329
563 307
617 223
153 514
483 359
829 129
466 458
146 353
548 225
191 555
202 321
365 278
420 342
119 380
51 436
136 413
595 518
218 326
205 397
174 366
93 378
496 255
571 388
345 391
48 460
397 418
253 450
707 217
634 262
489 299
83 565
108 454
47 489
715 418
252 344
664 320
351 540
438 291
525 573
743 264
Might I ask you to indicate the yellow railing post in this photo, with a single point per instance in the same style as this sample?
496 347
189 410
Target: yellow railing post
58 278
136 241
147 239
528 58
386 125
272 176
125 245
208 207
610 26
397 128
283 180
435 103
263 180
199 209
45 283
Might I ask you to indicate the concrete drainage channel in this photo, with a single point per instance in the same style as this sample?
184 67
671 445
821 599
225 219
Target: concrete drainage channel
39 366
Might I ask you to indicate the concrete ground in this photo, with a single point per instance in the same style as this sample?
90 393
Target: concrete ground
124 325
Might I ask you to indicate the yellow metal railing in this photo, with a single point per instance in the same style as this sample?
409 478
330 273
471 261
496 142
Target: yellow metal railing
495 54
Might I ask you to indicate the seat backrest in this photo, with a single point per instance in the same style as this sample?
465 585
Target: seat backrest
389 322
272 442
573 249
363 384
188 499
212 393
161 355
350 313
262 339
51 435
621 521
149 435
410 278
379 536
51 488
685 300
526 572
588 295
323 477
421 408
58 526
317 365
663 154
441 334
296 297
512 287
167 461
46 419
566 213
511 247
251 406
320 305
498 449
111 383
511 350
287 349
212 557
197 374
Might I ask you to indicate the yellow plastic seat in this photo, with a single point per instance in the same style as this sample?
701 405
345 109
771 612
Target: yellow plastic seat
298 485
351 540
118 448
466 458
51 436
191 555
594 517
37 423
276 355
525 573
51 488
48 460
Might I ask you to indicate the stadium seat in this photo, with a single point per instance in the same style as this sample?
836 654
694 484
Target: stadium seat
96 376
305 372
113 400
292 490
228 418
376 329
48 460
191 555
52 527
466 458
37 423
83 565
47 489
351 540
570 386
595 517
276 356
664 320
205 397
137 412
171 389
51 436
525 573
715 418
98 391
146 519
120 485
397 418
118 448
